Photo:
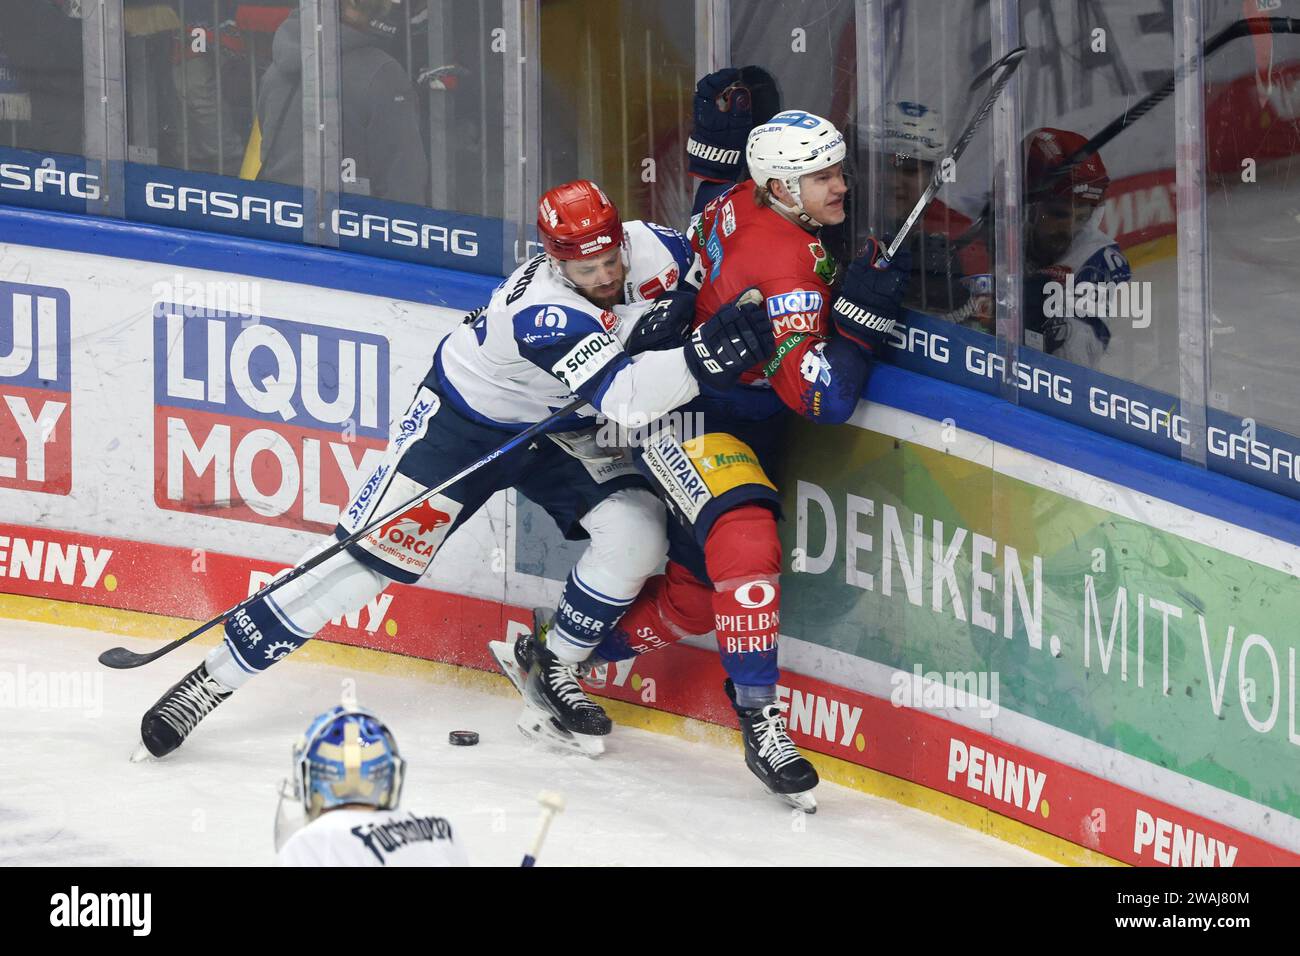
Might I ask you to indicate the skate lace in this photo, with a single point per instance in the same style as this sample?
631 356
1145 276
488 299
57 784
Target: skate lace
564 681
191 702
774 744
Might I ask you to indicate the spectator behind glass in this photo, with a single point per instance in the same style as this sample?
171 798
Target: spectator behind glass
41 42
380 111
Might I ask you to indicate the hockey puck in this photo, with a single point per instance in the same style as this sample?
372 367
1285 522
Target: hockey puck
462 738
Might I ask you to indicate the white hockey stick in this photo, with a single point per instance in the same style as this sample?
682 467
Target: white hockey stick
552 803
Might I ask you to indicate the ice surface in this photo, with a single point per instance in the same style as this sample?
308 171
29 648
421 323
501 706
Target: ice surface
69 795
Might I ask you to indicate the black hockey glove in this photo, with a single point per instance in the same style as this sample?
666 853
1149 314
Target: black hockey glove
738 337
867 307
723 119
665 325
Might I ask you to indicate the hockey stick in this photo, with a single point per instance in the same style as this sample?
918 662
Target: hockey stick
1234 31
120 658
1007 65
552 803
1149 102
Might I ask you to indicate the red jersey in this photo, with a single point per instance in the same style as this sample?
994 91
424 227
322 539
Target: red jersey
743 245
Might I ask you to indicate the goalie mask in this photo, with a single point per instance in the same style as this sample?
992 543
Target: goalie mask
347 756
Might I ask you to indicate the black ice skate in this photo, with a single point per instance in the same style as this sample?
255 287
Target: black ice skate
169 721
515 657
772 755
556 708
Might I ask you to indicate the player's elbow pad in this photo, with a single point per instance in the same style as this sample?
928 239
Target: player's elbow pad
848 368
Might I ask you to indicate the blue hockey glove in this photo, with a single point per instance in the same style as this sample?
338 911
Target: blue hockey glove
871 295
735 339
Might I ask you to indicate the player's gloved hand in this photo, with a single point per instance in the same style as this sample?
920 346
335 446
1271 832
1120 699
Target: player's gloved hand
723 119
735 339
871 295
665 325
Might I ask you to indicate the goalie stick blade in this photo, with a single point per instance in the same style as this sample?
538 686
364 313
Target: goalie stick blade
542 727
505 658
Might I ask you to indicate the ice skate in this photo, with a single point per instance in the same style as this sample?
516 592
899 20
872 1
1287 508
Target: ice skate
514 657
556 708
772 755
170 720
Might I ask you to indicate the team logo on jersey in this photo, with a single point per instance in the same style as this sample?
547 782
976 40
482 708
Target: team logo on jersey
815 367
792 312
608 320
728 221
588 358
551 317
823 265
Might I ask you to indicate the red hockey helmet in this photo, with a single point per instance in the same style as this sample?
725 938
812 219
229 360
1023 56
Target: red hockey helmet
577 220
1046 150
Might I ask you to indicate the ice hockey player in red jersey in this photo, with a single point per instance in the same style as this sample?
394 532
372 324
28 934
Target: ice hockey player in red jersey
725 557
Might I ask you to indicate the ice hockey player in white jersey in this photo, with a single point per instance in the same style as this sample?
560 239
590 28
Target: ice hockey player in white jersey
347 782
1065 250
581 320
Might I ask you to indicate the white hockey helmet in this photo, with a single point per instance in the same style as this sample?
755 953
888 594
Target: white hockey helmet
790 145
915 130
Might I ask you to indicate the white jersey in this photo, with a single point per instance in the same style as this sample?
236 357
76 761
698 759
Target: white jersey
347 837
538 344
1094 257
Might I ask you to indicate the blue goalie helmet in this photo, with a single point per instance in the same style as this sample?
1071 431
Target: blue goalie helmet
347 756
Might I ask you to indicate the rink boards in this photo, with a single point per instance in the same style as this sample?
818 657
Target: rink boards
1062 657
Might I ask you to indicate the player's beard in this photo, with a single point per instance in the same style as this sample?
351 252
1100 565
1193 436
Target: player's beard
598 296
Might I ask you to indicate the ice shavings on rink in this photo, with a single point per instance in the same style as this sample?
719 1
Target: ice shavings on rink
70 796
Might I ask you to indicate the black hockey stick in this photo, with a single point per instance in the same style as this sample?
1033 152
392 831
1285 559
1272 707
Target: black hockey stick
120 658
1131 115
1007 65
1149 102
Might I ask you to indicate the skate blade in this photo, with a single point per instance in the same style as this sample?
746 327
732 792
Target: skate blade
800 801
543 728
505 658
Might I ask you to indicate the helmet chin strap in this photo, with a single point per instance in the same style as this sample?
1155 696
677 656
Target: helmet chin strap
796 211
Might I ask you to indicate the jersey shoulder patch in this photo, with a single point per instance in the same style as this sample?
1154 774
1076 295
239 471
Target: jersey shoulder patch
1107 264
546 323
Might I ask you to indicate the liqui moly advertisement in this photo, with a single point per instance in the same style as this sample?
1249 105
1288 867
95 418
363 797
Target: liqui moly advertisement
264 419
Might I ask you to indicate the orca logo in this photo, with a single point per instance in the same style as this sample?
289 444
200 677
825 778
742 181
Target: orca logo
766 594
